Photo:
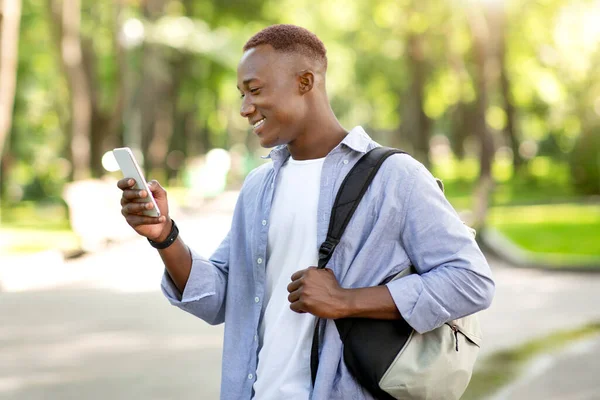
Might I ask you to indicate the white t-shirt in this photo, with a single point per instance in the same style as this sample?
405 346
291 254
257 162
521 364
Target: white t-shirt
283 370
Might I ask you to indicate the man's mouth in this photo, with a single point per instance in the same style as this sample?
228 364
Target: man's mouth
258 124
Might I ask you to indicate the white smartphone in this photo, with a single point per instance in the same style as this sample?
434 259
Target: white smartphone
130 169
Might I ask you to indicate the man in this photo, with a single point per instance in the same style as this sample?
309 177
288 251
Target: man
262 282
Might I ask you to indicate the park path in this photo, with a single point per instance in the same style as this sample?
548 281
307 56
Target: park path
97 327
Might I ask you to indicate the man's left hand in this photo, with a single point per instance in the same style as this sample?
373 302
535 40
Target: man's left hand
317 291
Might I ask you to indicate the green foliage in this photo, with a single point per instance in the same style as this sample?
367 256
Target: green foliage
37 139
195 44
585 163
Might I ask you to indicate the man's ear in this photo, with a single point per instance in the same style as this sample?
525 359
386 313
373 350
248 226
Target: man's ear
306 81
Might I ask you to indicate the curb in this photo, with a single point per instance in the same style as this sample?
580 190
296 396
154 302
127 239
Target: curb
494 242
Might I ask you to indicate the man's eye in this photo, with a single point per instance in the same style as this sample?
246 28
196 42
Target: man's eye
254 91
242 96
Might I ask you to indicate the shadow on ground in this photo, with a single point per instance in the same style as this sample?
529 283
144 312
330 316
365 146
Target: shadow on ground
99 344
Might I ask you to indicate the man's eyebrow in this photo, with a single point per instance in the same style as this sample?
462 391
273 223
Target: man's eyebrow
247 81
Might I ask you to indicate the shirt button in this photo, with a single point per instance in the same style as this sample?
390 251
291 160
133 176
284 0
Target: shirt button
259 261
264 222
345 161
256 299
255 338
250 376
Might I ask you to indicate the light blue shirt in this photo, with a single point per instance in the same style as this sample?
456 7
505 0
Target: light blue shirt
403 219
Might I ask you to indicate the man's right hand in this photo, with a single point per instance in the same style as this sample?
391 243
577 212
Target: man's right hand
132 205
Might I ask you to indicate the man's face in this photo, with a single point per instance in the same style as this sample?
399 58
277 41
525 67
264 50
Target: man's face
271 99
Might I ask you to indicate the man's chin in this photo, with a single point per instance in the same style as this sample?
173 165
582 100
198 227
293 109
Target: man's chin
269 143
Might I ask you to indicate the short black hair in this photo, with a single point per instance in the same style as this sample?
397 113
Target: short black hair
290 39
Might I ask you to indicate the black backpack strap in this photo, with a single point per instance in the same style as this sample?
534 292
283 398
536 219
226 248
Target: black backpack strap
348 197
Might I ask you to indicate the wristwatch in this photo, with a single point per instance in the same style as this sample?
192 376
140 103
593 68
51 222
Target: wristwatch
169 240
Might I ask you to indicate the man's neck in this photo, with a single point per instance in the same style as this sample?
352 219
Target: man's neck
321 135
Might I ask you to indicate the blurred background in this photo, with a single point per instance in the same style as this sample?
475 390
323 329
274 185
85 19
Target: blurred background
499 99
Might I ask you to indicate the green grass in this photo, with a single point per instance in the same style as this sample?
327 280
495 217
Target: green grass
39 216
24 240
555 230
499 369
29 227
537 210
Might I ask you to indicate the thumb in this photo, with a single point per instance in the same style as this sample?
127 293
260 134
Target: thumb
157 190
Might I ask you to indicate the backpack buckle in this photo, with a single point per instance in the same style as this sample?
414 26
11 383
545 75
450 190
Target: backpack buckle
326 251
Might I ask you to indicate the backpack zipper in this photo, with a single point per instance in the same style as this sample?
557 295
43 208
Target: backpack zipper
455 330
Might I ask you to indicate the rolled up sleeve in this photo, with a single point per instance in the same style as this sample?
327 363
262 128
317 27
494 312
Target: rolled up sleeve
204 293
454 278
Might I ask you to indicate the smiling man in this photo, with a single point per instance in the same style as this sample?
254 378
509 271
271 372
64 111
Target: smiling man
262 282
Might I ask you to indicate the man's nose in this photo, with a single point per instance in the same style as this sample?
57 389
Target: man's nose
247 108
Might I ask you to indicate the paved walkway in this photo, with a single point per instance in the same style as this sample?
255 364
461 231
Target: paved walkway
97 327
571 374
530 304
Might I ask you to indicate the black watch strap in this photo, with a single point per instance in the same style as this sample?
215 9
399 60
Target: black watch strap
169 240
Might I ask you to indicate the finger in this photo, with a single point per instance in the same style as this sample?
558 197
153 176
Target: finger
157 190
136 220
297 306
125 201
298 274
137 208
134 194
125 183
295 285
294 296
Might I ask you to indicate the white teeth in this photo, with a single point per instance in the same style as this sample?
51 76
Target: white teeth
259 123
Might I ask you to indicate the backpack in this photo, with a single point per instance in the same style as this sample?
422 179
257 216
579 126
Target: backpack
387 357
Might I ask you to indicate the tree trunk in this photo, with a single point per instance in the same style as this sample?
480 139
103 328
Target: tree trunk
416 126
115 126
10 18
154 73
105 123
462 113
479 31
459 130
67 19
147 102
509 108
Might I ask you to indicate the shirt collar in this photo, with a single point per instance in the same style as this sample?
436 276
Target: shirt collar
357 140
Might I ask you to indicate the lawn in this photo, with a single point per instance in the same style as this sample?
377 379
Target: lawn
539 212
24 240
30 227
558 231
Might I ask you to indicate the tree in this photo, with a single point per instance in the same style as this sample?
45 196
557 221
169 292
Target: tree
10 17
66 17
416 124
481 38
505 88
106 118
